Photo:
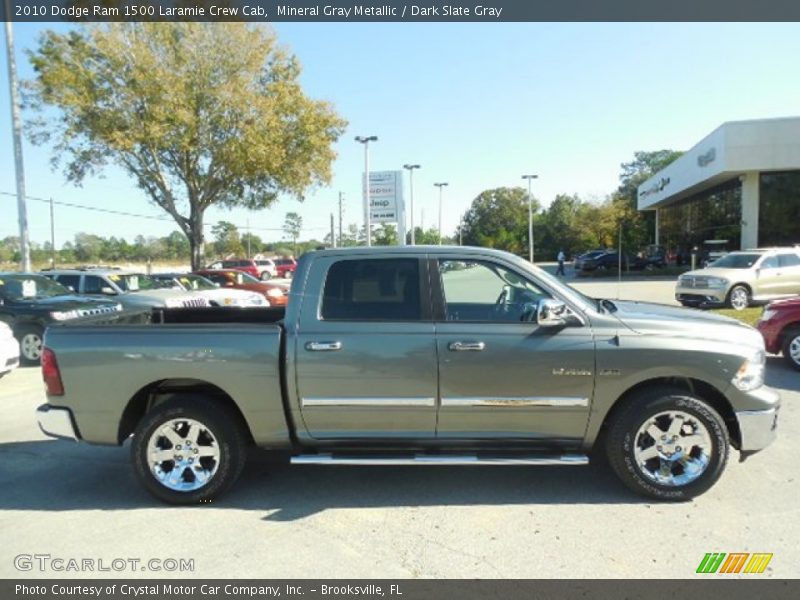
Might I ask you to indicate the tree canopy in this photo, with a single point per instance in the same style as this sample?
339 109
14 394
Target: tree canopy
198 114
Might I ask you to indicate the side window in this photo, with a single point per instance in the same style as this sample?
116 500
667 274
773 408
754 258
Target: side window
771 262
788 260
372 290
70 281
479 291
92 284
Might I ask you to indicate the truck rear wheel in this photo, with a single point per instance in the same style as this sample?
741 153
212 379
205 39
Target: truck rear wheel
667 444
188 450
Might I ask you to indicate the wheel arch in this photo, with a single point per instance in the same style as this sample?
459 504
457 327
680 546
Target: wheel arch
157 392
702 389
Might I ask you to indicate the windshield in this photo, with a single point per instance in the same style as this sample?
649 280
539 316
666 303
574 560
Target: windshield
30 287
195 282
736 261
133 282
242 277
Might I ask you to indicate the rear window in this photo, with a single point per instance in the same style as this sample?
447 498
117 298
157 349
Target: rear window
372 290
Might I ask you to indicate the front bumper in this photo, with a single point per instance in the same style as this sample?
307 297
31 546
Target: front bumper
758 427
707 296
56 422
9 354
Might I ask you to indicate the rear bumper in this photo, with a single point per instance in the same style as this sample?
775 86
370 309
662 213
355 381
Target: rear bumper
9 354
56 422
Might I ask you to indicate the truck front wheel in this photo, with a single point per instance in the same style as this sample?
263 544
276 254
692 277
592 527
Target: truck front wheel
667 444
188 450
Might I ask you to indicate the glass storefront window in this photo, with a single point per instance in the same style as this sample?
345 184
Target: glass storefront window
714 214
779 209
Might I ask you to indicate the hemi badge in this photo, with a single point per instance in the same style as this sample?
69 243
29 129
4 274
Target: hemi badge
609 372
578 372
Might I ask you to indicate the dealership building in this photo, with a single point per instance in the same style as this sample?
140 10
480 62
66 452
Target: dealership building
741 183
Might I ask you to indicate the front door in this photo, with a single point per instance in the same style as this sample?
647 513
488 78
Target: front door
501 374
366 351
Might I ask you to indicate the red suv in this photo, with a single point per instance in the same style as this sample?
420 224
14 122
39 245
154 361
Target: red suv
247 265
780 326
285 266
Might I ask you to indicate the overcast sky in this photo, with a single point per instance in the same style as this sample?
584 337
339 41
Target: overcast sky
477 105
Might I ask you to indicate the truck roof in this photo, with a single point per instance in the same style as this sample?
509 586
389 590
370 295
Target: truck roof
402 250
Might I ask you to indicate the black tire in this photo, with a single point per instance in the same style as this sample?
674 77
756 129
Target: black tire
791 337
219 421
736 292
30 338
637 410
265 276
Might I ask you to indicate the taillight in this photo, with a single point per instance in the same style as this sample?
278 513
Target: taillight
51 374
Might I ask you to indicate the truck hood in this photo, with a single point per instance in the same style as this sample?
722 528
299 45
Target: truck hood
660 319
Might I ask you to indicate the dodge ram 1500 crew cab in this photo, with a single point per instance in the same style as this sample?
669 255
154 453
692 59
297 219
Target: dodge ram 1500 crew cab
416 355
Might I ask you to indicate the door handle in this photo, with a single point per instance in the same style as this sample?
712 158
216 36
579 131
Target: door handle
323 346
466 346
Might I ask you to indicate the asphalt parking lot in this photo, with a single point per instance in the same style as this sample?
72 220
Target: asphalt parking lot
68 500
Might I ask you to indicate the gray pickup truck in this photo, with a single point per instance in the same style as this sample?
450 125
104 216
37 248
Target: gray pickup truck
416 355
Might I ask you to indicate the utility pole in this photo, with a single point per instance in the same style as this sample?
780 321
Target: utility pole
16 125
333 233
340 218
248 237
52 236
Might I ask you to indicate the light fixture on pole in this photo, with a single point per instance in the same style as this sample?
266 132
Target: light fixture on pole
440 186
530 216
411 190
367 224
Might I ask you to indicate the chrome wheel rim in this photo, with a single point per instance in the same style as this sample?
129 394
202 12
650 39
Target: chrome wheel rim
672 448
739 298
183 455
31 346
794 349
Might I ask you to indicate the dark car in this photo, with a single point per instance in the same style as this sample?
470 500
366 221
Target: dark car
29 303
582 258
780 326
246 265
606 260
285 267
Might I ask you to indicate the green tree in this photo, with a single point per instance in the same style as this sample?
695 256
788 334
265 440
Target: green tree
226 239
385 235
498 218
199 114
292 227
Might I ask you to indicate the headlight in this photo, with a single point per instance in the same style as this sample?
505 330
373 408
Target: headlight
64 315
717 282
768 314
275 293
751 374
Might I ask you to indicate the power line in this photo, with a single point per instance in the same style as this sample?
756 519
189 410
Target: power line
141 216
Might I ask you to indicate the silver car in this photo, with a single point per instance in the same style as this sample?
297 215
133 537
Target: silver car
742 278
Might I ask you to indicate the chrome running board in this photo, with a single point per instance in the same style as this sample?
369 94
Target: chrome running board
431 459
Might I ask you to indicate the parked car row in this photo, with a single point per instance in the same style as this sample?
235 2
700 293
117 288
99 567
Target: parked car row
261 268
29 303
601 260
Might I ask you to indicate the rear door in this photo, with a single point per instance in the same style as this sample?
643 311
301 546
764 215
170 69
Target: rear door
365 352
501 375
789 267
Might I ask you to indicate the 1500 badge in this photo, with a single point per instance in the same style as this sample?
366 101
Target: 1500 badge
578 372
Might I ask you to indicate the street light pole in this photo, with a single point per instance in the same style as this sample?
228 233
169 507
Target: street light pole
411 190
340 218
530 216
440 186
367 209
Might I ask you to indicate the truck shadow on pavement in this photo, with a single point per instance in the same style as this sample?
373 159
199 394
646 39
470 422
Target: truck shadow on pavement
52 475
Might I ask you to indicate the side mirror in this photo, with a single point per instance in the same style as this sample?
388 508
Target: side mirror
108 291
71 288
551 313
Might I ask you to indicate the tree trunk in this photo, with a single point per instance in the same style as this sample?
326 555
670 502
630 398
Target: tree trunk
197 240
